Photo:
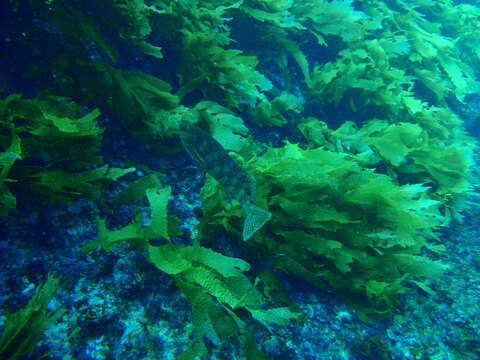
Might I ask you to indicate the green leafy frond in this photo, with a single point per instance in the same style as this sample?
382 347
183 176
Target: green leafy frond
50 132
331 219
24 328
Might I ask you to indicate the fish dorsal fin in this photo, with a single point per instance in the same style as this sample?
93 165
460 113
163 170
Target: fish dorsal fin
254 220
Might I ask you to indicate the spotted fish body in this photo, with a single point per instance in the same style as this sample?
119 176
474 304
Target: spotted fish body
237 184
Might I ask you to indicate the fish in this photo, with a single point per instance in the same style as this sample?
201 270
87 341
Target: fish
239 185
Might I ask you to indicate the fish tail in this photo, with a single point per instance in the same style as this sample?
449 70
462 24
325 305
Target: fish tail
254 220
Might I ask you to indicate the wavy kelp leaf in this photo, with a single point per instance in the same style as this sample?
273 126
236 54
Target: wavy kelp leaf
11 154
198 269
85 125
43 156
222 74
225 75
274 112
226 266
160 224
213 283
158 200
169 259
317 215
228 129
335 17
316 132
396 142
206 315
411 149
75 25
219 324
332 219
396 45
422 267
136 190
108 239
389 92
278 13
290 265
145 105
57 123
431 151
216 324
24 328
209 271
130 21
273 316
236 293
294 49
463 28
175 259
435 82
447 167
366 68
331 249
77 183
380 291
460 75
150 89
149 49
435 41
273 289
194 351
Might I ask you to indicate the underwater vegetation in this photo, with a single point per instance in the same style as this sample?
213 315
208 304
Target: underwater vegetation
23 328
326 135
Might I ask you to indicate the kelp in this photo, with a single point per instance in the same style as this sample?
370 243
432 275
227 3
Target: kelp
221 74
224 75
432 50
333 220
429 152
225 127
367 77
24 328
331 18
143 103
77 29
384 160
278 13
216 285
363 75
127 20
274 112
152 112
320 18
50 152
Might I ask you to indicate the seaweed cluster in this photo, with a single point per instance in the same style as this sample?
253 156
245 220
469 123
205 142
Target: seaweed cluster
344 112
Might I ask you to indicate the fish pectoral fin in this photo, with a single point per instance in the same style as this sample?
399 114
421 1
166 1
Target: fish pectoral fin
254 220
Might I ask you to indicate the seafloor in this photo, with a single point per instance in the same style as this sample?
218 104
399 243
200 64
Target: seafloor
127 309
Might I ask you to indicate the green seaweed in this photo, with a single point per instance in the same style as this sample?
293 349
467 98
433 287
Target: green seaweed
333 220
214 284
24 328
42 138
383 164
273 112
